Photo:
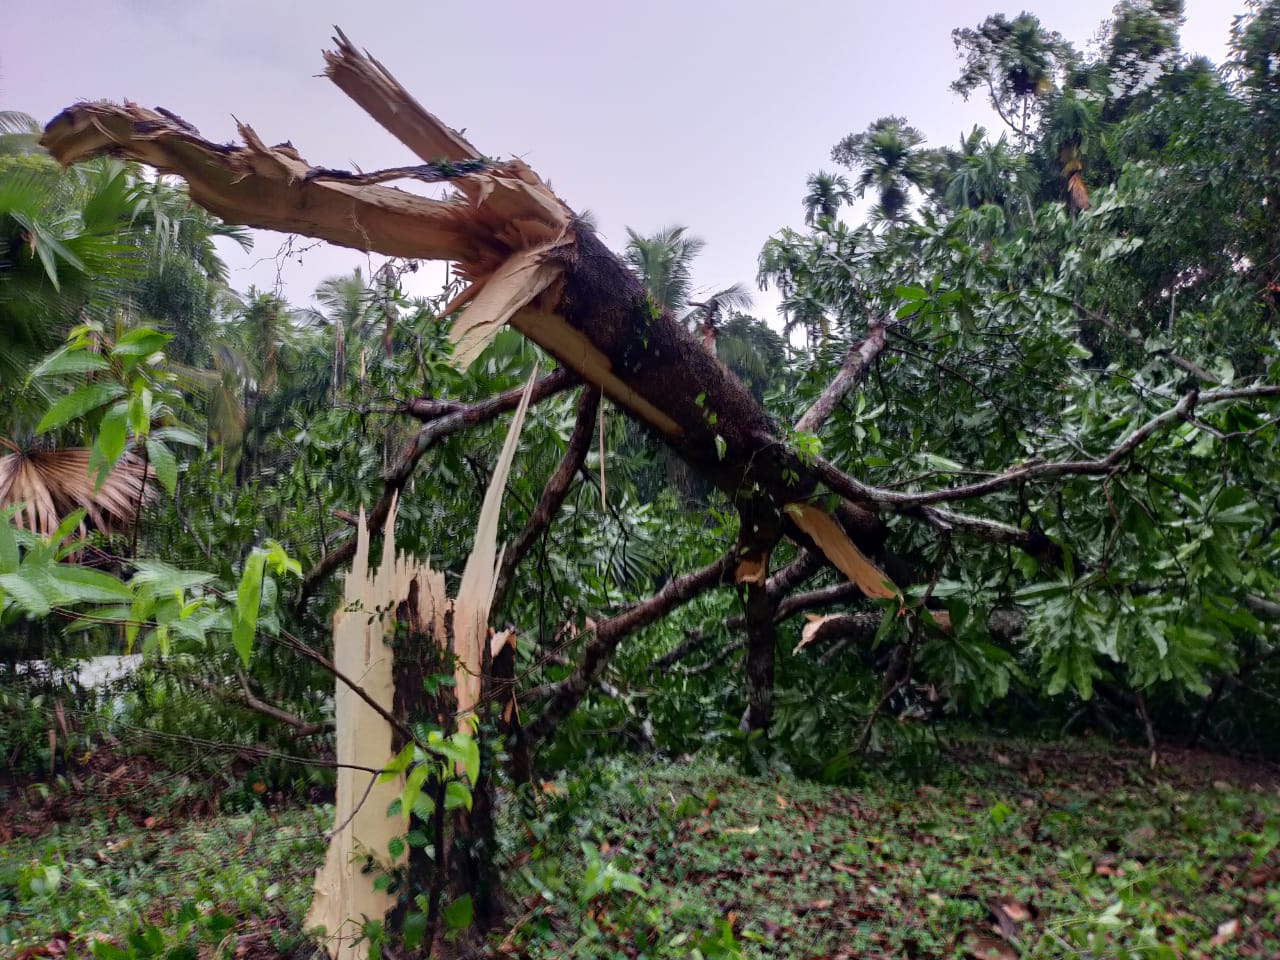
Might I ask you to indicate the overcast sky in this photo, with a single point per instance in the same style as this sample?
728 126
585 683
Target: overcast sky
708 113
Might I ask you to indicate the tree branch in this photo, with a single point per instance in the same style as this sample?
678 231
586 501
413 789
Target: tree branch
860 356
900 502
565 694
553 493
429 435
1182 363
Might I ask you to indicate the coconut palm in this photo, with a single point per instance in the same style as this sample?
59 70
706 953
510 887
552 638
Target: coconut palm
826 193
19 133
664 262
887 161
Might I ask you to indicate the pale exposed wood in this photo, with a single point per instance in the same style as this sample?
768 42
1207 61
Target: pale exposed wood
831 539
813 623
480 575
344 892
380 95
265 186
573 348
525 275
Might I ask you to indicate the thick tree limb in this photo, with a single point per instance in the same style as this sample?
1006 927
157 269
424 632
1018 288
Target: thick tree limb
860 357
553 493
428 436
565 694
900 502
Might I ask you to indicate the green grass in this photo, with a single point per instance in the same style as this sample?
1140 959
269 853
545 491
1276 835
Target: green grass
1080 852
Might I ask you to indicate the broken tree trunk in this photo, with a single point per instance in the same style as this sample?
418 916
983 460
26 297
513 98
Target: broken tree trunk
397 628
530 262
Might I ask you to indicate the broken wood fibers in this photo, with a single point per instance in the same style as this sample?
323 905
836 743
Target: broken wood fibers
528 259
345 893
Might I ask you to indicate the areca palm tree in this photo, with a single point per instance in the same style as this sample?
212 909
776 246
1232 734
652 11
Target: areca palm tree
1017 61
346 304
827 192
886 160
988 173
706 315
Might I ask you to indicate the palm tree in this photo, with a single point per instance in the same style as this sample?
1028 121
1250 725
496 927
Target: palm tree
826 193
45 485
1070 129
663 262
19 133
346 304
987 173
886 160
1016 61
705 315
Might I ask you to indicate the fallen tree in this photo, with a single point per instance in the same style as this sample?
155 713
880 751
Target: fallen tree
532 263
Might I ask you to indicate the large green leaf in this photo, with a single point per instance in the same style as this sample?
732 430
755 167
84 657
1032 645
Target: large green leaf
248 599
76 404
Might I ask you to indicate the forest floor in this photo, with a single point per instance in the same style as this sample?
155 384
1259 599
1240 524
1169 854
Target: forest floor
1013 849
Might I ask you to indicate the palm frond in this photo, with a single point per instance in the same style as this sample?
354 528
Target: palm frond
47 485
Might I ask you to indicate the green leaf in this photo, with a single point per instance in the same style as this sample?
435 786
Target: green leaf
142 342
110 443
462 749
164 463
248 598
178 435
66 361
413 785
458 915
395 847
30 597
456 794
9 554
412 929
78 403
140 412
86 585
398 765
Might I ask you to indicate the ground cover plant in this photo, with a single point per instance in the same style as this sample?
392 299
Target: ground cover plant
1015 848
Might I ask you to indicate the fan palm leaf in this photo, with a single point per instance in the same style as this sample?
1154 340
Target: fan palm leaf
47 485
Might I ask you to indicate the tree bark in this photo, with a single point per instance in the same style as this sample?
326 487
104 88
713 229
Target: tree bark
760 609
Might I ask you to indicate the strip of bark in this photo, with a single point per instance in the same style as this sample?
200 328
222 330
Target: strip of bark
553 493
565 694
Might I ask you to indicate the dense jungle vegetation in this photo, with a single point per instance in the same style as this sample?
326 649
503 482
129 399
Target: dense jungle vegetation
1034 374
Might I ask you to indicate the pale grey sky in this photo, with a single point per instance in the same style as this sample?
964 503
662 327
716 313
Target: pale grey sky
709 113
